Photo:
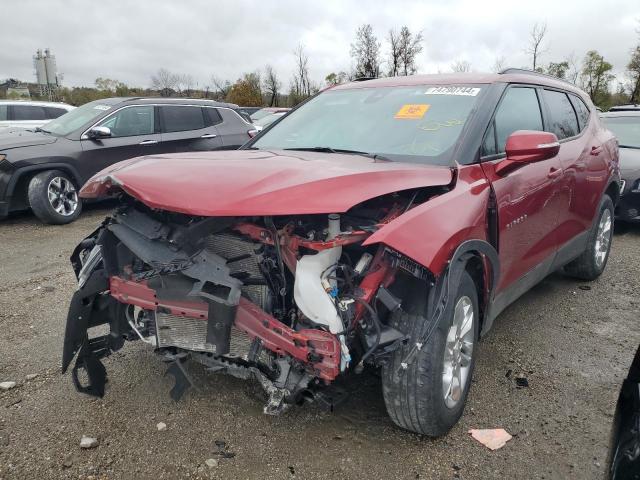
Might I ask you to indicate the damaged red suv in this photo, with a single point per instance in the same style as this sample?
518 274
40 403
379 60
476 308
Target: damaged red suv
381 224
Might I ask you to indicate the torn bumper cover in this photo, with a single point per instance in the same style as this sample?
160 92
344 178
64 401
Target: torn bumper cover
183 282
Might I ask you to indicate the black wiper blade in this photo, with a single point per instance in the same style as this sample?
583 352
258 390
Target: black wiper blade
630 146
375 156
38 129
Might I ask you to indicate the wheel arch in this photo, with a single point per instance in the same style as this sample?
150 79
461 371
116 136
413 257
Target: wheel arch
19 183
476 257
613 190
480 260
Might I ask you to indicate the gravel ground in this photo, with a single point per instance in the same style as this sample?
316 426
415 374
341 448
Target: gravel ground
573 344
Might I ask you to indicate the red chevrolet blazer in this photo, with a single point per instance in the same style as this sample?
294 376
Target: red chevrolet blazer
381 224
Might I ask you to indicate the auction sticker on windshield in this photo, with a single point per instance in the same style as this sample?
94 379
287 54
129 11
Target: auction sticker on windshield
412 111
449 90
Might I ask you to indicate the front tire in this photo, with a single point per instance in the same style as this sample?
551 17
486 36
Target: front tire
53 197
591 263
428 397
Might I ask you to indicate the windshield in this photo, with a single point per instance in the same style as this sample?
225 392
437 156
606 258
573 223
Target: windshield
268 120
260 114
75 119
627 129
419 124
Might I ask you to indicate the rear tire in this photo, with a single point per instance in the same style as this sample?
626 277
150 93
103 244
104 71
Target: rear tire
591 263
53 197
421 398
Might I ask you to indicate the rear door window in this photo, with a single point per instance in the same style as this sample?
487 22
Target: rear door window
53 112
563 122
181 118
518 110
582 110
4 109
28 112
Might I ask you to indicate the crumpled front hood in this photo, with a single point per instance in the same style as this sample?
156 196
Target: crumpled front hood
16 138
259 182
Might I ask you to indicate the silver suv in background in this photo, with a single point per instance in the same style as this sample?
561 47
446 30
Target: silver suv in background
28 114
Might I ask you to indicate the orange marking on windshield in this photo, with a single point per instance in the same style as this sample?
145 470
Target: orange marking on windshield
412 111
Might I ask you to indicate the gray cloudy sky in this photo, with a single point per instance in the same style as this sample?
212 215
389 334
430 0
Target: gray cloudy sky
129 41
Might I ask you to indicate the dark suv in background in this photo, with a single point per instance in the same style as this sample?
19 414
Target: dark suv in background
43 168
624 122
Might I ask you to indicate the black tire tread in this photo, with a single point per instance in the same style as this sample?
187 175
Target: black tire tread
411 396
584 267
39 201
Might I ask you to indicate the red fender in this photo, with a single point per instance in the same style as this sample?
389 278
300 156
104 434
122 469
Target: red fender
429 233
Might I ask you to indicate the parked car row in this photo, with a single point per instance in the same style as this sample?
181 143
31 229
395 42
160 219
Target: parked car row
44 168
382 223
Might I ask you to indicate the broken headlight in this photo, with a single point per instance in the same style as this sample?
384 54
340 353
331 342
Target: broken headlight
89 264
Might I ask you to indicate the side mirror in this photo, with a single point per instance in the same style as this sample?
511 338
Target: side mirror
99 132
528 146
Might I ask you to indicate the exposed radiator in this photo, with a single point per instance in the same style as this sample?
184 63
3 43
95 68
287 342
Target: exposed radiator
230 246
191 333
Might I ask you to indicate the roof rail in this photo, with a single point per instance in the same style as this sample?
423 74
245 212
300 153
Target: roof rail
532 72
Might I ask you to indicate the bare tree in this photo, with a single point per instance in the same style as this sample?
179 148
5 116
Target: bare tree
187 82
574 68
221 87
301 82
410 47
535 48
395 55
271 85
404 48
461 66
164 81
499 64
366 52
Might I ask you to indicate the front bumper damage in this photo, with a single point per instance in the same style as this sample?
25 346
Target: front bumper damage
189 283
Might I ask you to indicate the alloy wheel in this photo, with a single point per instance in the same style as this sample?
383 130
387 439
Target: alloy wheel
62 196
603 238
458 352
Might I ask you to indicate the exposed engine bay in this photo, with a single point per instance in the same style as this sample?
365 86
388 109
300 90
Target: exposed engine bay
290 301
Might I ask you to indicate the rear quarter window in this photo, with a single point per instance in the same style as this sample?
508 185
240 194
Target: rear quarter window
581 110
212 116
3 112
563 121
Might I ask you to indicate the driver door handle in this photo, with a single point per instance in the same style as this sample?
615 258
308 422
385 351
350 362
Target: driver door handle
208 135
148 142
